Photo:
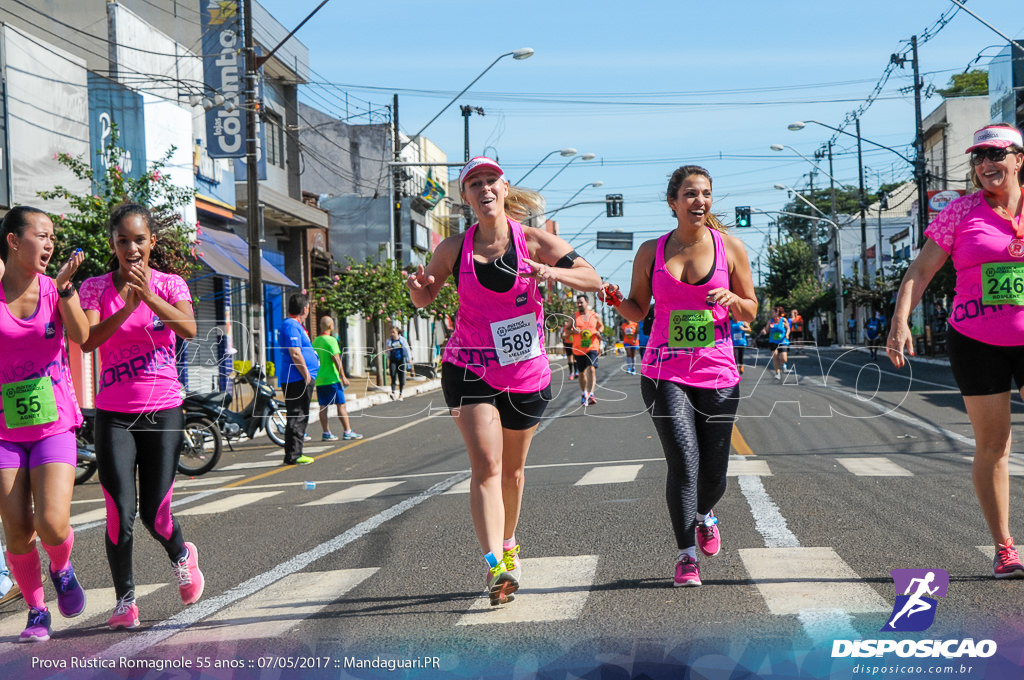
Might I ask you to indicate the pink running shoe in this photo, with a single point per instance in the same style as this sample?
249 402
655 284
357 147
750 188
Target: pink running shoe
687 573
190 579
1007 563
708 539
591 400
126 613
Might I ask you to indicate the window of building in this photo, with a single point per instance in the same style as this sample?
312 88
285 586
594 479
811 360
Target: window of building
275 139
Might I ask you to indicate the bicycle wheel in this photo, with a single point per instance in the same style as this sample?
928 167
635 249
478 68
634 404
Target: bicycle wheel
202 448
86 467
275 424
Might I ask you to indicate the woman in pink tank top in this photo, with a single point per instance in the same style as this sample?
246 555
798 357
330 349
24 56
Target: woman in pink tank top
495 372
984 234
699 276
38 452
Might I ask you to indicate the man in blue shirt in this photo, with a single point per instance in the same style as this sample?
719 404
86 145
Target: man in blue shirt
299 366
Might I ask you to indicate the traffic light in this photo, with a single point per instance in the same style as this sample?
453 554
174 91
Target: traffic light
613 205
743 216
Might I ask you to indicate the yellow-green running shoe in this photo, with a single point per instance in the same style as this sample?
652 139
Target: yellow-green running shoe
510 558
501 585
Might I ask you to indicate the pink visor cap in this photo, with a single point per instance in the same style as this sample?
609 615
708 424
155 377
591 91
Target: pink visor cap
996 137
477 163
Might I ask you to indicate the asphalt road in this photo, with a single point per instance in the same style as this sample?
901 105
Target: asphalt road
841 472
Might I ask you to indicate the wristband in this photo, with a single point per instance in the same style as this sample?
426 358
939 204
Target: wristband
66 292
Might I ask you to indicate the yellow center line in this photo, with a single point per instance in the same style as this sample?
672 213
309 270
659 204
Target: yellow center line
285 468
739 443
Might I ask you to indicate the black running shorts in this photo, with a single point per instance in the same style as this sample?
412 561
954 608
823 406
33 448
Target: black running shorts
980 368
518 411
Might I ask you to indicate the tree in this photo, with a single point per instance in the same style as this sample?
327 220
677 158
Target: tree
86 226
790 264
969 84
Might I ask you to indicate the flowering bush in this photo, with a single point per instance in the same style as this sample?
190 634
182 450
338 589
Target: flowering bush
86 226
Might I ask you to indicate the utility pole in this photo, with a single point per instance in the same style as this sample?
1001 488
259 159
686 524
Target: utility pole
252 109
396 197
920 171
863 212
838 251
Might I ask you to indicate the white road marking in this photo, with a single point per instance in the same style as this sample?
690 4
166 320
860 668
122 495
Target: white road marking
207 607
741 466
228 503
98 602
95 515
768 521
1015 466
825 625
461 487
795 580
205 481
610 474
554 589
275 609
255 465
353 494
875 466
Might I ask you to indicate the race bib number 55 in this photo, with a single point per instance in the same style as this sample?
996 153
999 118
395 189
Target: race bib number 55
689 329
29 402
516 339
1003 283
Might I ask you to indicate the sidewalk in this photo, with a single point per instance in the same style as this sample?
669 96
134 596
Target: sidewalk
363 392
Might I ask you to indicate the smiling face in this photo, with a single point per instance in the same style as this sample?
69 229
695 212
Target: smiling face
132 242
692 202
34 248
485 192
996 176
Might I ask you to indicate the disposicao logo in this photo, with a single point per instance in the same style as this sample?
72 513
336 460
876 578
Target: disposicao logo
914 611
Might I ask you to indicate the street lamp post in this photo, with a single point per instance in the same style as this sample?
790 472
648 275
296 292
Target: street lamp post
583 156
565 153
596 184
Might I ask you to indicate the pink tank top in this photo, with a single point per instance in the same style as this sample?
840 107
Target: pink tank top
690 342
31 349
500 336
974 235
138 371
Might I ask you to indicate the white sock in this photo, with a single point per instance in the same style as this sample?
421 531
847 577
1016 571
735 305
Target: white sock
701 518
690 552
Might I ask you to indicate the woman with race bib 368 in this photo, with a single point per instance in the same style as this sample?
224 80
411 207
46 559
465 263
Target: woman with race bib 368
690 384
38 451
495 374
984 234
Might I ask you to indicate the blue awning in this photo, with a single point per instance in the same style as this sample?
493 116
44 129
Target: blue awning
228 255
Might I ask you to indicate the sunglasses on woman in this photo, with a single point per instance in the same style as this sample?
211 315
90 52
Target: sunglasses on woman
995 155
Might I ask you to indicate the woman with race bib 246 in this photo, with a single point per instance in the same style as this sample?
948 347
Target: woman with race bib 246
690 384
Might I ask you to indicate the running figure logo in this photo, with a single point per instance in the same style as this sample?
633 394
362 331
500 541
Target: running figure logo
915 608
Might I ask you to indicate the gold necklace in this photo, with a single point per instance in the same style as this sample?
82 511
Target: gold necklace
684 246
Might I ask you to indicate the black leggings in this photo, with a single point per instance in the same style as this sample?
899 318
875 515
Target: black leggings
737 352
150 444
396 369
696 447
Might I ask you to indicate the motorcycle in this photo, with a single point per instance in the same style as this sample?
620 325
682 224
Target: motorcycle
200 451
264 412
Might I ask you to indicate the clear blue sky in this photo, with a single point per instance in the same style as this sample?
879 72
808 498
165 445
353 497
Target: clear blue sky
647 86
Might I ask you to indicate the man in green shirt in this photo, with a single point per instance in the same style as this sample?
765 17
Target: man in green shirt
330 379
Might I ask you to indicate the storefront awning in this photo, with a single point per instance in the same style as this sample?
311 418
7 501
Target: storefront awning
228 255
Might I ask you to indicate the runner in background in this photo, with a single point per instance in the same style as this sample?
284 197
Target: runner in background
567 334
399 361
586 345
873 328
739 331
777 330
797 325
136 314
628 331
496 377
38 452
699 275
984 234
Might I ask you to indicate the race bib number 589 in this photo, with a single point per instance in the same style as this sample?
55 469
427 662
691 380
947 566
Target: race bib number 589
516 339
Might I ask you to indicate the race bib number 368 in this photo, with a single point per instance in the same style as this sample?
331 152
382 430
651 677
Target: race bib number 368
516 339
691 329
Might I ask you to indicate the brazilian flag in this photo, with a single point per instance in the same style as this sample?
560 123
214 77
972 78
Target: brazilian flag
433 192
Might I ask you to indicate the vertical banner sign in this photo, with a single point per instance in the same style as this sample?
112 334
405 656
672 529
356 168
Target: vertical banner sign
223 74
111 103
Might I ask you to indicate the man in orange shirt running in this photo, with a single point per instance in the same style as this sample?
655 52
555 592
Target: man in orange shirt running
630 339
586 346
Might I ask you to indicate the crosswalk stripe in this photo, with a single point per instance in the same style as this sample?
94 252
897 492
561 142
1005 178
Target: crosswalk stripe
461 487
744 466
815 579
227 503
98 602
875 466
256 464
93 515
205 481
554 589
1016 466
276 609
610 474
353 494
